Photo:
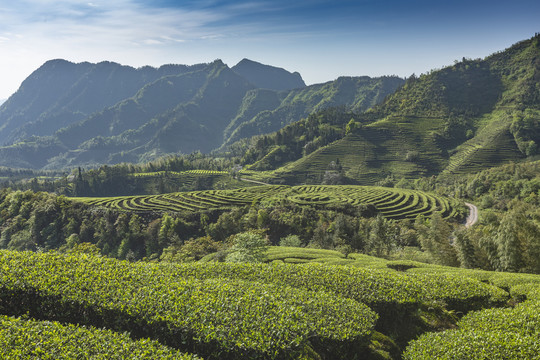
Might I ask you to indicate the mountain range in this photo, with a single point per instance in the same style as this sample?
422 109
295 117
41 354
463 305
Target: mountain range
67 114
472 115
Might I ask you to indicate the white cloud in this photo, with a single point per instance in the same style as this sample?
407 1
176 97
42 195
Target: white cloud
137 33
119 30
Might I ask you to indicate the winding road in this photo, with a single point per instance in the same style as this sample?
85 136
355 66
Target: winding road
254 181
473 215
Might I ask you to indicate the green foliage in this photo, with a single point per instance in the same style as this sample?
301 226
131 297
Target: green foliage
508 333
518 242
391 203
351 127
381 240
291 241
247 247
386 292
31 339
216 318
475 344
301 255
192 250
436 241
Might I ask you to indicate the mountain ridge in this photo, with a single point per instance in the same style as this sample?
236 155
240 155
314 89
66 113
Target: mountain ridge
80 90
166 110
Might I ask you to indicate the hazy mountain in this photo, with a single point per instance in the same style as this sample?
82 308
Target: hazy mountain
61 93
268 77
2 101
460 119
107 113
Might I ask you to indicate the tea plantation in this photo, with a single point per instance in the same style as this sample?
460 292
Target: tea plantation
392 203
57 305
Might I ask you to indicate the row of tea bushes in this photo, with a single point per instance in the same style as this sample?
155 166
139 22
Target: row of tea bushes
31 339
502 333
380 289
215 318
392 203
474 345
511 333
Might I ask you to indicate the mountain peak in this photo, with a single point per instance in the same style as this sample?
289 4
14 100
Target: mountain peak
268 77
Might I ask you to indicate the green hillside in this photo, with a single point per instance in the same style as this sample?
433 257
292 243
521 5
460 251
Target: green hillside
356 94
466 117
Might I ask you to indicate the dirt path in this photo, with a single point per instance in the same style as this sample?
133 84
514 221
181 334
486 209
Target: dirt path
254 181
473 215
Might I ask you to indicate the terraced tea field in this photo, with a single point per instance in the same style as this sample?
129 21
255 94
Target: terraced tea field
390 202
474 156
188 173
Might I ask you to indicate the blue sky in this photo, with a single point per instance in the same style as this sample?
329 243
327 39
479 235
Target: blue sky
320 39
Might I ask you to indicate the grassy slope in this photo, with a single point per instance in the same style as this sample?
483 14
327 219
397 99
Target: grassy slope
377 151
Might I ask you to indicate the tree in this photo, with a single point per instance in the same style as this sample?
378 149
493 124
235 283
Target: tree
248 246
436 241
291 240
465 249
321 239
518 242
196 249
351 126
381 239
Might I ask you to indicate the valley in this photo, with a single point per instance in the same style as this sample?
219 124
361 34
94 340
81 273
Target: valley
214 212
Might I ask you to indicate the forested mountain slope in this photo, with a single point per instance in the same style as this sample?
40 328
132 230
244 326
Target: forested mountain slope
106 113
472 115
355 93
60 93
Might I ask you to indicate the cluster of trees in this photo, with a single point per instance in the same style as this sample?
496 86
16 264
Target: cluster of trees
510 242
526 130
507 237
117 179
42 221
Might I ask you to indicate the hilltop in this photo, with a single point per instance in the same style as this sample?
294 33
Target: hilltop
268 77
